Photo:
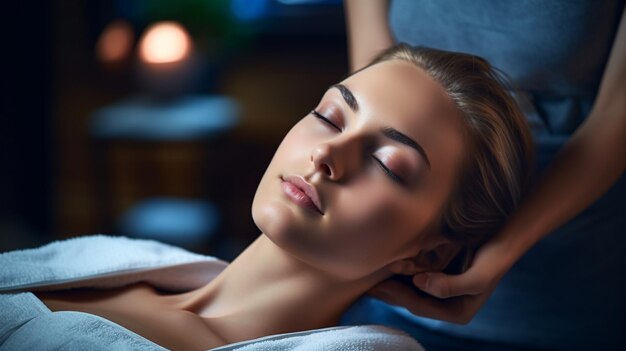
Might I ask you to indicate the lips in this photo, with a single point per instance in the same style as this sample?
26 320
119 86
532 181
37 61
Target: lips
302 192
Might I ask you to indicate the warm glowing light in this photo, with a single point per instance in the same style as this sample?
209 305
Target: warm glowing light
115 42
164 42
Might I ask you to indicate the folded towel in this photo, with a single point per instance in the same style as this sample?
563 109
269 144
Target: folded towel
108 262
27 324
347 338
105 262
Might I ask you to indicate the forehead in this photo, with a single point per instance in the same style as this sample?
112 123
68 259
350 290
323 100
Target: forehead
404 96
402 88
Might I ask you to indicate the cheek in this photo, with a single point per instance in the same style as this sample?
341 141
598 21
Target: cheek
373 226
270 212
293 156
293 147
294 152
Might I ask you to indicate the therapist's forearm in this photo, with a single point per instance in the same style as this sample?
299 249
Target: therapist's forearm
584 169
368 30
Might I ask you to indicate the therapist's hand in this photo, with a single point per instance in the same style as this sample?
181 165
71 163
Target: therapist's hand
454 298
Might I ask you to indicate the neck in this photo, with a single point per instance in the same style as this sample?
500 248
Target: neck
266 291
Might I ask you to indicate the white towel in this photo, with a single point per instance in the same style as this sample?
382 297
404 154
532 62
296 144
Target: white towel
107 262
347 338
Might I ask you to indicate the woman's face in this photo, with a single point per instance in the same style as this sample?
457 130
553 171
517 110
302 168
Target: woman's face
381 149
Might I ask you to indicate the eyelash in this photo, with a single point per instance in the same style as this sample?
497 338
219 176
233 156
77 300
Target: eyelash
391 175
385 169
326 120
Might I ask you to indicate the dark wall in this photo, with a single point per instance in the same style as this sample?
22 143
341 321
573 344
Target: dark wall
25 131
52 84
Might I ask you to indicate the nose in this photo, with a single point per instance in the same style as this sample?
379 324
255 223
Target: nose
335 159
322 158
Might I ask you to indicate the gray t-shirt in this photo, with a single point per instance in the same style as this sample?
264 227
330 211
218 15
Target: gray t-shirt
555 50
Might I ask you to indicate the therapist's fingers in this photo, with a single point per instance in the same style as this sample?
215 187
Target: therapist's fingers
452 298
458 310
444 286
488 267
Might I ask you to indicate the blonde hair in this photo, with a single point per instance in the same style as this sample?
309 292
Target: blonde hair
497 167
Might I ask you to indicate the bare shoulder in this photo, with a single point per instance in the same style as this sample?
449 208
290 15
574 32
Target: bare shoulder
140 309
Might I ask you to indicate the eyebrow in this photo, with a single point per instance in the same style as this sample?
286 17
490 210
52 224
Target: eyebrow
389 132
348 97
398 136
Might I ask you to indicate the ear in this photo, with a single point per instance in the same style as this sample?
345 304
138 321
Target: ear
437 258
434 255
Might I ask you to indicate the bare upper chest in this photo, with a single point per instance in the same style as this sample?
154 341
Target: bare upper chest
142 310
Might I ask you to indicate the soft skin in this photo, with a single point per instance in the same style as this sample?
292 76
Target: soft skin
369 219
307 267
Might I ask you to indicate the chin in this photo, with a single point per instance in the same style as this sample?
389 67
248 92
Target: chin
271 216
278 222
269 213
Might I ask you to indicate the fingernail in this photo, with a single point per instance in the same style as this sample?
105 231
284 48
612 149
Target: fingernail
420 280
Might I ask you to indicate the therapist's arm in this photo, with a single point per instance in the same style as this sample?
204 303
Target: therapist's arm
368 30
585 168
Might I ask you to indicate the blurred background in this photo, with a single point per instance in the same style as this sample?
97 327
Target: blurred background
154 118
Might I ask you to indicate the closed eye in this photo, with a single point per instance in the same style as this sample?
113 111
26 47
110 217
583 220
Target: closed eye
389 173
326 120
